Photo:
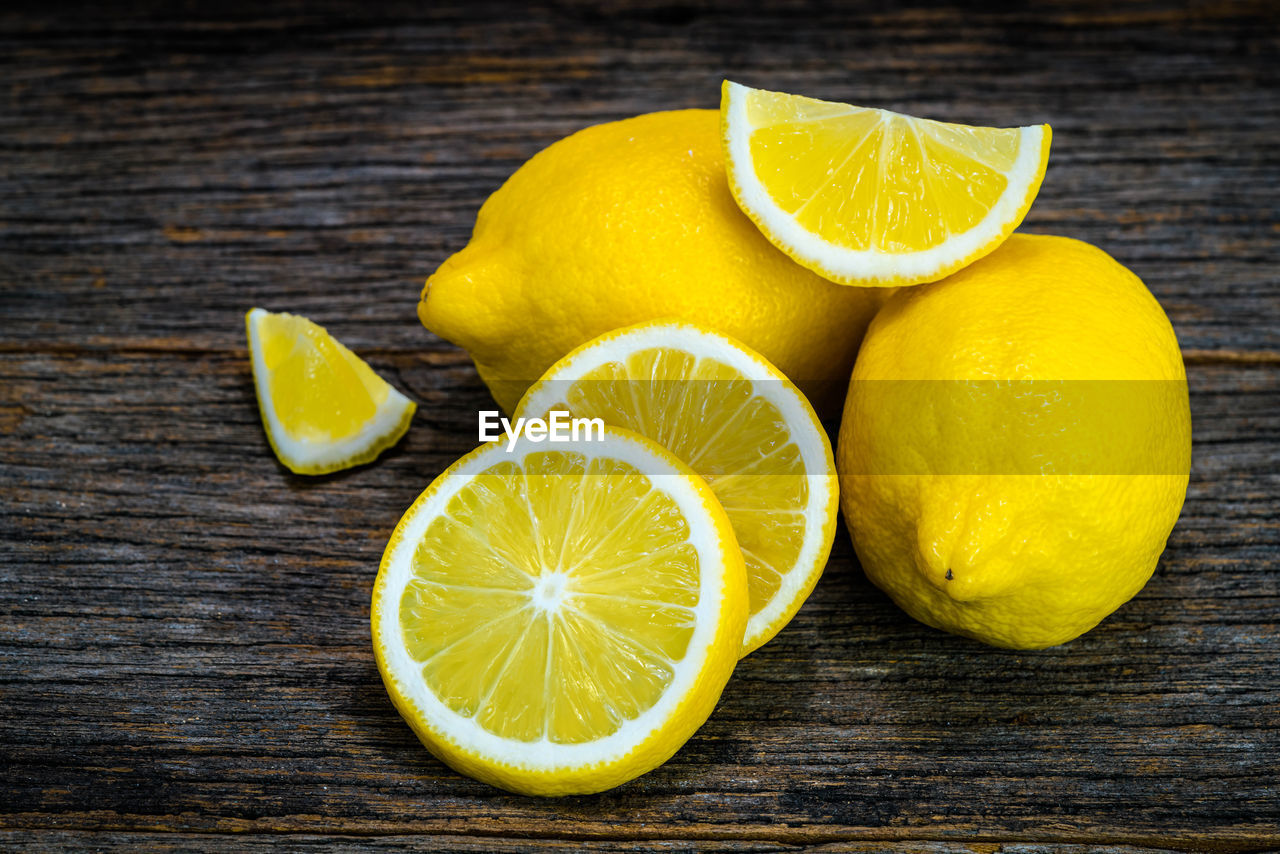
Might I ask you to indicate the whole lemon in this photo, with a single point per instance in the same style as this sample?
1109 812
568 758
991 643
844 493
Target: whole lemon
1016 444
626 222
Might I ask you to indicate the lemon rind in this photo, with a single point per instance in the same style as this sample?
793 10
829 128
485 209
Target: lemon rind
872 267
815 448
542 767
389 423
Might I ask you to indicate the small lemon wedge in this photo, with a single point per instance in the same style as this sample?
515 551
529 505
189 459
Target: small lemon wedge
323 408
557 619
870 197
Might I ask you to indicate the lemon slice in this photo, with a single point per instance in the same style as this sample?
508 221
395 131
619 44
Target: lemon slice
869 197
323 408
558 619
738 422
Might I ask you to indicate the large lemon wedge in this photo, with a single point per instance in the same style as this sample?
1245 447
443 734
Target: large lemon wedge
323 408
557 619
738 422
870 197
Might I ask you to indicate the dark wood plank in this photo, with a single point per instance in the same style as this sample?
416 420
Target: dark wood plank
327 165
195 620
307 843
184 653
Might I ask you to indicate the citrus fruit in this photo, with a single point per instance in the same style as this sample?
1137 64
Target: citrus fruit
738 422
626 222
869 197
323 408
1016 444
558 619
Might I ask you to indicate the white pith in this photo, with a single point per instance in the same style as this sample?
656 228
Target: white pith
544 755
845 263
301 452
549 591
806 433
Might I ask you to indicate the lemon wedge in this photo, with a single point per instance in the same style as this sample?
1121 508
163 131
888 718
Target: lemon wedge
738 422
870 197
323 408
558 619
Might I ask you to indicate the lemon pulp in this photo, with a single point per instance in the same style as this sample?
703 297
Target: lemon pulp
558 616
323 407
739 424
560 621
873 197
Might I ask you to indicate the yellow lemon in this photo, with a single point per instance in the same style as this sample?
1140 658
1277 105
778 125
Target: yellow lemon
1016 444
323 407
558 619
871 197
738 422
626 222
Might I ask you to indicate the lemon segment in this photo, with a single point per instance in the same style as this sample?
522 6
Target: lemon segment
323 407
738 422
870 197
558 619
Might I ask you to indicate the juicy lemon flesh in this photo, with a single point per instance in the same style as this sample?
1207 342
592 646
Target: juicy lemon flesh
875 180
736 440
552 600
319 390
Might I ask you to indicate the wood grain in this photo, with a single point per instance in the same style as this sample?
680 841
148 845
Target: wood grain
307 843
184 654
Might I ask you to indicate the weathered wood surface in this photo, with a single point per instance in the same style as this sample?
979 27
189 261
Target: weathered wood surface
184 649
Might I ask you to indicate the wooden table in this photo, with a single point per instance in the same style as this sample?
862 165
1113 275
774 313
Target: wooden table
185 646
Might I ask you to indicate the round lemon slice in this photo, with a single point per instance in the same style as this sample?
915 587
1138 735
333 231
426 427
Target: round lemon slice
870 197
323 408
738 422
558 619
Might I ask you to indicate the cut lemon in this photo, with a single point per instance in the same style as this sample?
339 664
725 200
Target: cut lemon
738 422
869 197
558 619
323 408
